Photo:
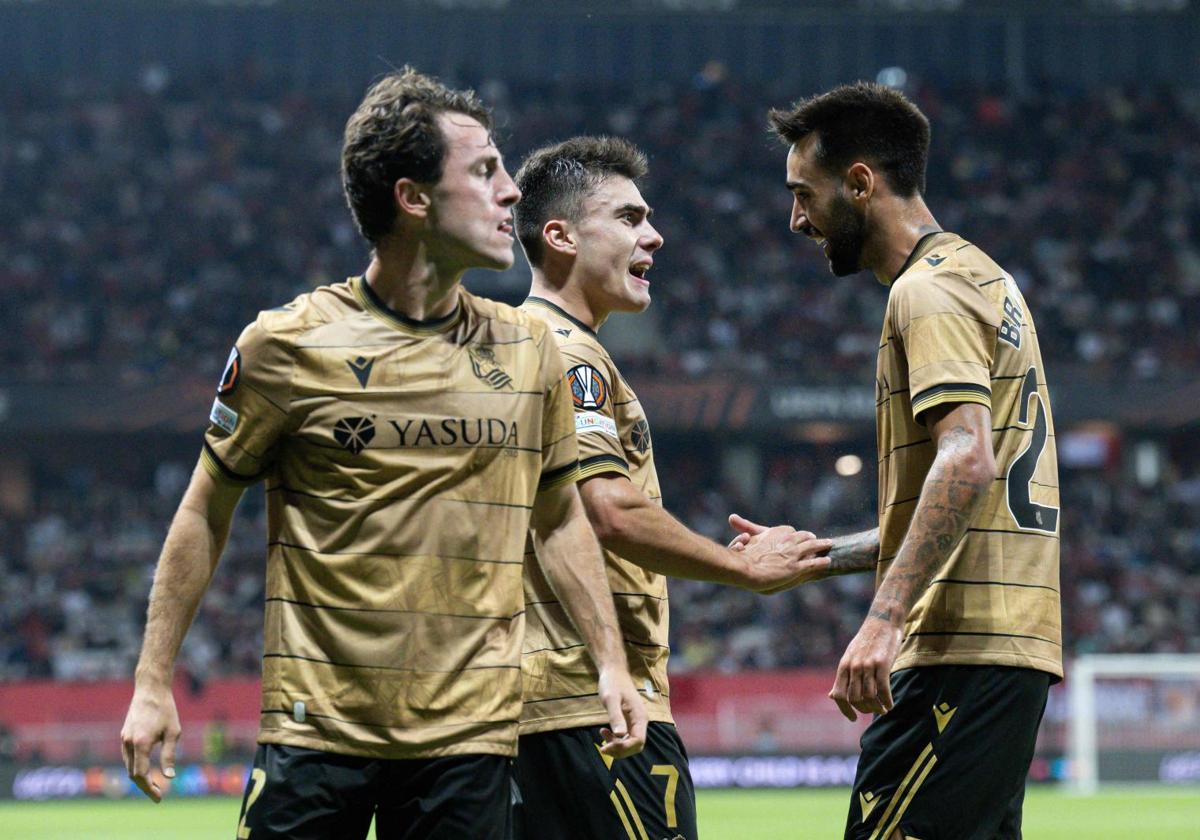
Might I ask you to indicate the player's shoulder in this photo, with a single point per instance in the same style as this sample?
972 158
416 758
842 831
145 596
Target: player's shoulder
503 317
575 340
284 324
953 275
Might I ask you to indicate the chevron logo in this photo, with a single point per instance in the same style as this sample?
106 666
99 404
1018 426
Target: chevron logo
867 801
942 714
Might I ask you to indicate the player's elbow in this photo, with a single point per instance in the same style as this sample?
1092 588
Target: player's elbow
612 513
976 467
610 522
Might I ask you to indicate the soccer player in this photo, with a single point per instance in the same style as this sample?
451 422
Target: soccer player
410 435
963 638
586 230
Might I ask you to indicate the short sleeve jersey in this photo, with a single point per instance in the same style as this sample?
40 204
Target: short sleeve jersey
957 330
614 437
401 461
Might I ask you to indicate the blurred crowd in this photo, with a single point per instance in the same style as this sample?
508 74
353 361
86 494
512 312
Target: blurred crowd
144 227
75 571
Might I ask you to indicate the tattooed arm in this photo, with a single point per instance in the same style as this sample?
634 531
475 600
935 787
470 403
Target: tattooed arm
847 555
954 488
854 553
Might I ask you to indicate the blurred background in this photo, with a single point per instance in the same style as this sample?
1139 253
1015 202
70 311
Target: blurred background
168 169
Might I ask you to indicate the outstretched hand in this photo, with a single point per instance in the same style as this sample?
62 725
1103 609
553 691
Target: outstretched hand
781 557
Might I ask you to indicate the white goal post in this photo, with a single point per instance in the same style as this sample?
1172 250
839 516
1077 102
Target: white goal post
1083 741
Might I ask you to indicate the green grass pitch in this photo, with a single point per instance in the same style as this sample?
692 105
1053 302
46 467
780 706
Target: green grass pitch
1151 813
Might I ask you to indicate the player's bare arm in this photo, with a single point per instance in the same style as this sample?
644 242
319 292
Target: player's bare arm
847 555
574 566
631 525
954 487
189 557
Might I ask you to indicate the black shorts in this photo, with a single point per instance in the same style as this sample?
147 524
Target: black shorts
300 793
949 761
569 790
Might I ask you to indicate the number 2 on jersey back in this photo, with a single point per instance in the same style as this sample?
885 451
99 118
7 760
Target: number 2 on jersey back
1028 514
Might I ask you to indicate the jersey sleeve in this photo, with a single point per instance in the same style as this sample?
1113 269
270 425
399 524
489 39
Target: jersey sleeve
949 330
560 453
250 411
591 377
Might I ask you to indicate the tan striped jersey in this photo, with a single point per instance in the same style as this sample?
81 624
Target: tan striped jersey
957 330
401 461
614 437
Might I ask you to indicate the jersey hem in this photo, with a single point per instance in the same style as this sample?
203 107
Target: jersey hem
924 403
559 477
213 466
600 467
574 721
1005 660
386 752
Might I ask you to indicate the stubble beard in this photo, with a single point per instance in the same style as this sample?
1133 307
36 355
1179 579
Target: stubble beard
846 235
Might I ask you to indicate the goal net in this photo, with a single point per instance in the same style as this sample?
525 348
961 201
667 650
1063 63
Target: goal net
1134 718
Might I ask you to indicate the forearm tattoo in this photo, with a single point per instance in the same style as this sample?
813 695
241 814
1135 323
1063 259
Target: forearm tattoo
948 503
854 553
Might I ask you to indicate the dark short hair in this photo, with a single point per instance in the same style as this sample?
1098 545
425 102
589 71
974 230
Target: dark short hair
554 181
394 134
864 122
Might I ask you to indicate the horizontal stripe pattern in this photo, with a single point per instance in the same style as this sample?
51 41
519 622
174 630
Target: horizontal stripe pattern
559 677
995 600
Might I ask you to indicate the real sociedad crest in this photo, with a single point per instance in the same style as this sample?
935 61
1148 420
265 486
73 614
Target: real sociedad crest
589 391
485 366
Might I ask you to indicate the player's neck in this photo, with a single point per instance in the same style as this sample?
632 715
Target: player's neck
899 227
407 281
569 298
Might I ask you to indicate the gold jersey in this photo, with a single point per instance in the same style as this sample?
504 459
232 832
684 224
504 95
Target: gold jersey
614 437
402 460
957 330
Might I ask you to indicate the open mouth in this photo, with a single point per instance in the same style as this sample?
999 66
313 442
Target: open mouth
639 270
506 227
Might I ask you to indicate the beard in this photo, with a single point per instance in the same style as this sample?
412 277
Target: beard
845 235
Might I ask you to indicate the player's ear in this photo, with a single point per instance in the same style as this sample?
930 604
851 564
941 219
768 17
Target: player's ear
860 181
557 237
412 197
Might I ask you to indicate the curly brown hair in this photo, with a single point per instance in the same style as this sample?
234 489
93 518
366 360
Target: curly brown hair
394 134
555 179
